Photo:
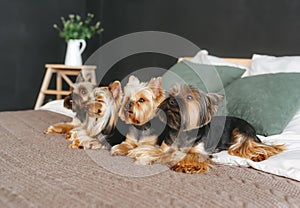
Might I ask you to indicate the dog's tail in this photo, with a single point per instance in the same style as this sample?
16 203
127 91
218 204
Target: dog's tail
252 148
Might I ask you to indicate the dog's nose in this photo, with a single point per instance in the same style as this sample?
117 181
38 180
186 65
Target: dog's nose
172 101
128 105
75 96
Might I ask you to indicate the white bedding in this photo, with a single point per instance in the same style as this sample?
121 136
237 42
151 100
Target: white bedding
286 164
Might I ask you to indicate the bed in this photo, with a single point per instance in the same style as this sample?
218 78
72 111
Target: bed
40 170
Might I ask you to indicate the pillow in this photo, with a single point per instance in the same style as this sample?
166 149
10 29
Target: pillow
202 57
264 64
57 106
208 78
268 101
293 127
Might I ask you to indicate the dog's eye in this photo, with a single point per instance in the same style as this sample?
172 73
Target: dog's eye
189 97
141 100
83 91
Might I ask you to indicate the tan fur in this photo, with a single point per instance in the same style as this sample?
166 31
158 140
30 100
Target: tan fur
208 105
186 109
123 148
102 115
76 102
193 163
245 147
164 154
59 128
75 144
137 108
151 95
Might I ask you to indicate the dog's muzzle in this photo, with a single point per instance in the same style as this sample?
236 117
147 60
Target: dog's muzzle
128 106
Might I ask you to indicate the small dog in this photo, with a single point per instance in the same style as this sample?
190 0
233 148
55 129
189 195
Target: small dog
102 115
76 102
194 134
138 109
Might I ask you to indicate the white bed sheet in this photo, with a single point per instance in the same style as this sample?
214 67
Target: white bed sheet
286 164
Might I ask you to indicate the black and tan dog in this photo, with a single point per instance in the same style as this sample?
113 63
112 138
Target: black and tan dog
76 102
194 134
102 116
138 109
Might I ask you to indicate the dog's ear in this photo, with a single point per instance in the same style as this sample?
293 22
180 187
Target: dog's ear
213 101
208 104
155 84
80 78
133 80
87 77
116 90
174 90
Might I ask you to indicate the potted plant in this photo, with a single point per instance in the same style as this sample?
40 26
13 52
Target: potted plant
75 30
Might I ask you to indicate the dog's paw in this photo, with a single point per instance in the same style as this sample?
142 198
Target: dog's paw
121 149
72 136
92 144
68 136
145 155
192 164
76 144
61 128
52 130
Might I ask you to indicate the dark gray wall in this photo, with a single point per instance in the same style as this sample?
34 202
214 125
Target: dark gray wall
27 42
227 28
231 28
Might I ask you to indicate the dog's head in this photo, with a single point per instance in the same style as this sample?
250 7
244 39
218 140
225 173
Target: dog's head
141 100
104 105
188 108
80 95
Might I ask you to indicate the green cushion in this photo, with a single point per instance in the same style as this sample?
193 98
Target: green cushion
267 101
208 78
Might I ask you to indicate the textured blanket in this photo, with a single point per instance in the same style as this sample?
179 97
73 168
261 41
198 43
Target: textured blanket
38 170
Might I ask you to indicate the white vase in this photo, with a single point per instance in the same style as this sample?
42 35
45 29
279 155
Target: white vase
74 51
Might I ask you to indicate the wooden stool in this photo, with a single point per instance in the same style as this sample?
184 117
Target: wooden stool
62 72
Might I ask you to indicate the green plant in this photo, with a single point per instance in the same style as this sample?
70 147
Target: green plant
77 28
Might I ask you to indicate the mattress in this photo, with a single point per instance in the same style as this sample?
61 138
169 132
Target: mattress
40 170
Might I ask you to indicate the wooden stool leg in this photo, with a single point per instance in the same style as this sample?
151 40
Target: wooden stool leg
94 79
45 85
58 85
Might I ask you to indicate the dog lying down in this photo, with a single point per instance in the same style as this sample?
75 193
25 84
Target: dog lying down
194 134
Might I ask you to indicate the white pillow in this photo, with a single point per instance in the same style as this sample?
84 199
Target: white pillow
293 127
57 106
265 64
202 57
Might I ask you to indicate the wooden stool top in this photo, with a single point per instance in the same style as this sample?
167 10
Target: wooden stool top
62 66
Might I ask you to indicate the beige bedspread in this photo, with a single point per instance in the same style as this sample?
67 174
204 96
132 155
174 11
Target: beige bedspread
38 170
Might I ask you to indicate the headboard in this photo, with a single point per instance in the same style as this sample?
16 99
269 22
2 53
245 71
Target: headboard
239 61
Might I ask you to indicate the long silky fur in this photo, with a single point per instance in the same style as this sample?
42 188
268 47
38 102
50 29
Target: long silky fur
245 147
138 113
76 105
99 126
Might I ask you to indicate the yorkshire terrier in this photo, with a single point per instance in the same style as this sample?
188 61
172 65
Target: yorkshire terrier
76 101
194 134
138 109
102 115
